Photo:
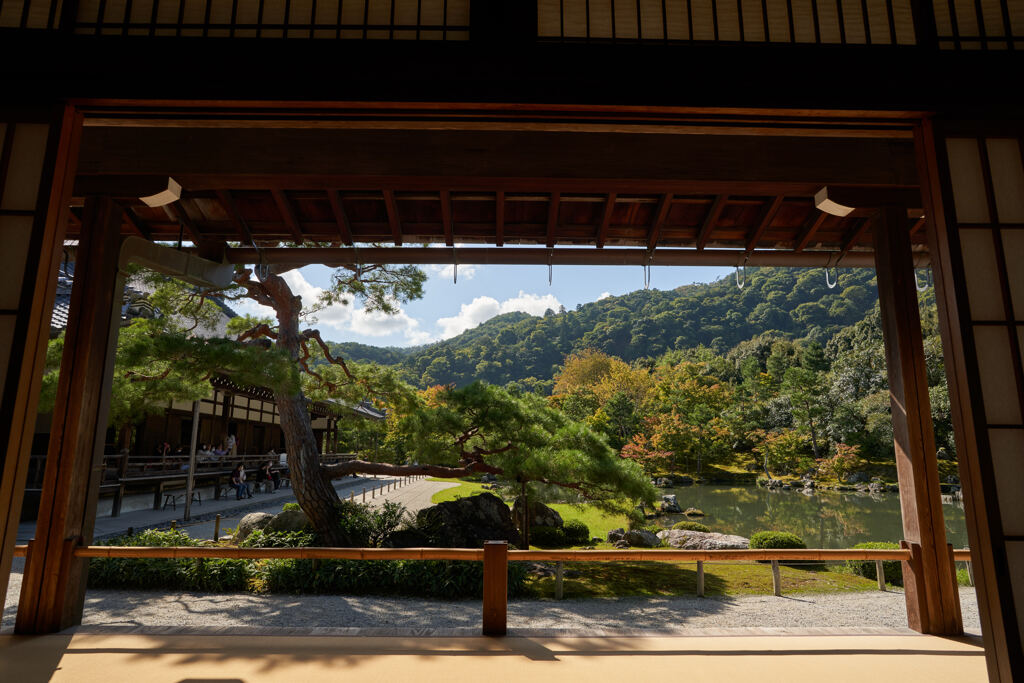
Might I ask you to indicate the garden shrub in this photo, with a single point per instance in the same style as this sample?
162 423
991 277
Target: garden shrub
893 569
261 538
576 532
290 506
426 578
765 540
197 574
548 537
687 525
363 526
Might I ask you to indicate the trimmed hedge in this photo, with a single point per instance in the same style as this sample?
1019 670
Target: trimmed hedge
686 525
428 578
576 532
770 540
548 537
197 574
893 569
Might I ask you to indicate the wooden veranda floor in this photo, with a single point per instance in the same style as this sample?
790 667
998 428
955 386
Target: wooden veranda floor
741 656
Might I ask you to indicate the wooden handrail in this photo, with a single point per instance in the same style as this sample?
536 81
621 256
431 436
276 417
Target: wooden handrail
476 554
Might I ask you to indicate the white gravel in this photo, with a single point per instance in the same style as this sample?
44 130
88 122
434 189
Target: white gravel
113 608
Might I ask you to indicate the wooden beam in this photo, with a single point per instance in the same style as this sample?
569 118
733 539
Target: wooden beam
558 256
228 202
606 219
766 220
814 222
141 228
446 217
664 204
929 578
854 237
710 219
340 217
499 218
553 205
53 590
393 220
918 225
284 205
176 213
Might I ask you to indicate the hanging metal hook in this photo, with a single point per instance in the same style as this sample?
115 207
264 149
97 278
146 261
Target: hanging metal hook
551 253
741 283
455 267
830 283
927 280
647 269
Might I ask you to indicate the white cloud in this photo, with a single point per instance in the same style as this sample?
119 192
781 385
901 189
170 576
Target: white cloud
484 308
466 272
604 295
344 318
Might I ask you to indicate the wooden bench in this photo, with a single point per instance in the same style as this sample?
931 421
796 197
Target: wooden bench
173 498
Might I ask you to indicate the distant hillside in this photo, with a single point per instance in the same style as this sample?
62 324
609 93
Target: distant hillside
792 302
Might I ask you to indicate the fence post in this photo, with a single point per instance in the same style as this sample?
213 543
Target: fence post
880 573
174 524
495 605
364 494
776 579
352 496
216 528
559 573
700 578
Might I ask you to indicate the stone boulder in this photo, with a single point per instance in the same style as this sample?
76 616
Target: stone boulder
663 483
289 520
621 544
467 522
858 478
641 538
699 540
693 512
540 514
250 523
616 535
670 504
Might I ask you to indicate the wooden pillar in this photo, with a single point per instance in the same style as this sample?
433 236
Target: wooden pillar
53 590
933 604
972 181
37 159
495 603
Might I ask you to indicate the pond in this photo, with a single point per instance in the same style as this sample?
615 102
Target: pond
825 519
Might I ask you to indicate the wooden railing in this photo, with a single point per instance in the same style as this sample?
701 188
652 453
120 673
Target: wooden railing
495 556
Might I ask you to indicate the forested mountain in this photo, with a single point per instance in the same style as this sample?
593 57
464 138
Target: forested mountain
791 303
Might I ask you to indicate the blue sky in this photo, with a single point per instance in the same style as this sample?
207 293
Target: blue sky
481 293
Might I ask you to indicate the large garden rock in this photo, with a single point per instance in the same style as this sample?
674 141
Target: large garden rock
540 514
616 535
670 504
467 522
663 483
250 523
694 512
289 520
699 540
641 538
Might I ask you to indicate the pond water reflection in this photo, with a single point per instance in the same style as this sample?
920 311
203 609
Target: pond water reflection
825 519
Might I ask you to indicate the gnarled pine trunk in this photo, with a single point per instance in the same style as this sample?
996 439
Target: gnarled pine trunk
313 489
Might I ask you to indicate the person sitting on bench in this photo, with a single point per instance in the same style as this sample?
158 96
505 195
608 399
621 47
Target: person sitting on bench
238 481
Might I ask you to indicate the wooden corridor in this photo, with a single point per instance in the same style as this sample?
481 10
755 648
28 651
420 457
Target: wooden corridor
721 656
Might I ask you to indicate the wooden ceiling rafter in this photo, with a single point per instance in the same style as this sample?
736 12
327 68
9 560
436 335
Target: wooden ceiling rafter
393 220
917 226
606 219
446 218
287 210
664 204
854 236
141 228
227 200
763 224
176 213
554 203
814 223
340 217
710 219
